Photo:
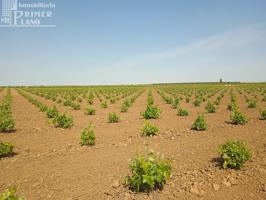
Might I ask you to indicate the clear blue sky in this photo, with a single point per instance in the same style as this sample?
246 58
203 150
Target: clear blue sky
139 41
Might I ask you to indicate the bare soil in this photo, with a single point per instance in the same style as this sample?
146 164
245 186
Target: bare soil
51 164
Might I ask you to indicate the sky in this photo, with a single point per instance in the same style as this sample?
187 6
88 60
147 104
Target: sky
139 41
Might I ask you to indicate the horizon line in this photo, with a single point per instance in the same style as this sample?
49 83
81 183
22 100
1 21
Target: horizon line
136 84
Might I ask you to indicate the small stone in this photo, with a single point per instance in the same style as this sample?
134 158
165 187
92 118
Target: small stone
226 183
116 184
108 193
232 181
195 190
172 138
211 175
215 186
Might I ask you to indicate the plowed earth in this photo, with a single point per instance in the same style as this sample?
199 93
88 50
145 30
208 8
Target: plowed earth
51 164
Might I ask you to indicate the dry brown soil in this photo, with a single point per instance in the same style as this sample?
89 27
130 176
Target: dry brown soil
51 164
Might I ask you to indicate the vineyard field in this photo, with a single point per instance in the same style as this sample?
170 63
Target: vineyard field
75 143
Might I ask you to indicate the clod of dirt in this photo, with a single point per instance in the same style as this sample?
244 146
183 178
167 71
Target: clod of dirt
196 190
215 186
226 183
